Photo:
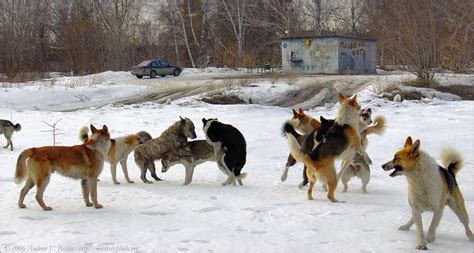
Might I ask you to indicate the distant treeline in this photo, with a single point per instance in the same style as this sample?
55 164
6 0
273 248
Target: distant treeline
88 36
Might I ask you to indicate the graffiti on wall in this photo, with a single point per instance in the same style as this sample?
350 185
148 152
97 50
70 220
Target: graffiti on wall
356 47
319 57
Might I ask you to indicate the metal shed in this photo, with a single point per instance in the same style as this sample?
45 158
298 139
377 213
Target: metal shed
331 54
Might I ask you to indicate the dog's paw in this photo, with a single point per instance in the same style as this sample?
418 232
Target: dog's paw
47 208
430 237
21 205
421 247
89 204
404 227
186 183
116 182
131 182
98 206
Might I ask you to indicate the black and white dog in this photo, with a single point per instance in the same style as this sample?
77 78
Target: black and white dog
230 148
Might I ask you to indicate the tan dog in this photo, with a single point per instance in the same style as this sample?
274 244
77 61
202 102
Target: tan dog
119 150
430 187
83 162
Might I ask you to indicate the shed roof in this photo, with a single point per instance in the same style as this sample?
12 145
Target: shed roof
311 34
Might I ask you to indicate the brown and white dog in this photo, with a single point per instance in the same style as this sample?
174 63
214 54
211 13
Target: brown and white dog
119 150
343 135
430 187
84 162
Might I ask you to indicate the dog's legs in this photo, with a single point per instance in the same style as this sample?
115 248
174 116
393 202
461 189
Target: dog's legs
456 203
123 163
85 192
407 225
312 181
332 185
92 183
28 185
420 235
142 165
364 176
305 178
113 171
151 167
289 162
11 145
40 187
434 224
189 174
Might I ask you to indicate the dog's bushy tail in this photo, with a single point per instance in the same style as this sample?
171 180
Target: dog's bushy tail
452 160
289 129
241 175
17 127
84 134
295 148
378 127
20 172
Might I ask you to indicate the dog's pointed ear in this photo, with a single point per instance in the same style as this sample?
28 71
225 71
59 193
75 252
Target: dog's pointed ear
408 142
353 101
341 98
93 129
323 120
105 128
295 114
204 121
415 148
181 120
301 110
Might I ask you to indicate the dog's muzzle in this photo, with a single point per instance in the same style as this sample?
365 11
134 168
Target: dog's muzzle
396 169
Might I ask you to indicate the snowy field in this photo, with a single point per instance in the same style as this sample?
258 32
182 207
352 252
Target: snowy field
264 215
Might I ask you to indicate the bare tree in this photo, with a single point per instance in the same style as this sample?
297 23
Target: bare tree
234 18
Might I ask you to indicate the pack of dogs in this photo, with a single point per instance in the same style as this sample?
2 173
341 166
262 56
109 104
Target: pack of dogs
317 144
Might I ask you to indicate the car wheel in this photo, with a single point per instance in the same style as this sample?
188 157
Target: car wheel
153 74
176 72
163 75
139 76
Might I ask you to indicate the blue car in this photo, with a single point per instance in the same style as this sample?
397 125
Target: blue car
153 68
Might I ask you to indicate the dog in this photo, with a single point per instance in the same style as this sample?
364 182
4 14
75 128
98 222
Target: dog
306 126
357 167
144 136
230 149
173 139
342 136
119 150
430 187
7 128
84 162
201 152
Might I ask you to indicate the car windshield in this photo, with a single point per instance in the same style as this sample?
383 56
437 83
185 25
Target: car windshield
144 63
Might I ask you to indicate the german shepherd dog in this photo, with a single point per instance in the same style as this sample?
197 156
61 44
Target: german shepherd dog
230 149
430 187
83 162
173 139
343 135
119 150
201 152
7 128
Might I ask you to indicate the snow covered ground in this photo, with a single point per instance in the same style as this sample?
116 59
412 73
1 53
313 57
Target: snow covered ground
264 215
